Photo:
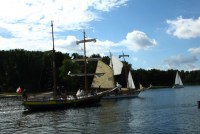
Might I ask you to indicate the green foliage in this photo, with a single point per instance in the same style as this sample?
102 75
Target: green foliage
33 70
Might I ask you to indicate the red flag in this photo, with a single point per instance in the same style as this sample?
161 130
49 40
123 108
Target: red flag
19 90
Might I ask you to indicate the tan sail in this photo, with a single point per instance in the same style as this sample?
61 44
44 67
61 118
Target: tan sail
107 80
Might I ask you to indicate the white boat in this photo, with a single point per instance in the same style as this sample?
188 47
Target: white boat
141 87
178 82
107 81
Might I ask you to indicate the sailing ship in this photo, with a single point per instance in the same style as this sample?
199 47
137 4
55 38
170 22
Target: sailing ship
107 81
178 82
53 100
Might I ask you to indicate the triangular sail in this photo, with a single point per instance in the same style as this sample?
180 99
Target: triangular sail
141 87
116 65
130 83
106 80
178 80
181 83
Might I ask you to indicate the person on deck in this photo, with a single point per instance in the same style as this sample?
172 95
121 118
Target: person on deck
24 94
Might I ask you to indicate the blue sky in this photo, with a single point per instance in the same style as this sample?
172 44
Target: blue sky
157 34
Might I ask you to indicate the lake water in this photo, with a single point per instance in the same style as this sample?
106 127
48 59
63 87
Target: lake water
156 111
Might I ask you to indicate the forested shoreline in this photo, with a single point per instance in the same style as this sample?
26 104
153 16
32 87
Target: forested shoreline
33 70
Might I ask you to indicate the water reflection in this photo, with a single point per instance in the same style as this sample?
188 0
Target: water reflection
155 111
113 116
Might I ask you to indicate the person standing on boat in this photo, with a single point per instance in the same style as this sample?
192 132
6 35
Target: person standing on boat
117 90
24 94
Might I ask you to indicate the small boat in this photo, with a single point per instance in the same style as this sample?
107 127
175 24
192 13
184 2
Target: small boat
54 100
178 82
107 81
141 87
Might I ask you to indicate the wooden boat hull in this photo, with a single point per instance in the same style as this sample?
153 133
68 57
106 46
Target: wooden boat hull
122 95
35 105
9 96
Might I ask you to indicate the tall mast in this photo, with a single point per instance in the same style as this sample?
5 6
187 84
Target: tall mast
125 68
85 63
111 64
54 67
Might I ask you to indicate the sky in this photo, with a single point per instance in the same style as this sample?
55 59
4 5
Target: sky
156 34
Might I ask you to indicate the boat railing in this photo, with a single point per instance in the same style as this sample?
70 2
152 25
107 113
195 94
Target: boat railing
49 98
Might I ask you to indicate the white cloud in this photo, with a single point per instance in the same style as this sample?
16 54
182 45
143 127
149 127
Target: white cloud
195 51
184 28
67 14
179 61
69 44
27 23
100 47
137 40
106 5
134 41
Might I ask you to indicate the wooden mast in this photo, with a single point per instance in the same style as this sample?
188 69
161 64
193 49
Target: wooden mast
125 68
85 62
54 67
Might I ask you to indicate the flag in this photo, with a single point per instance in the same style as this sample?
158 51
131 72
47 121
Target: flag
19 90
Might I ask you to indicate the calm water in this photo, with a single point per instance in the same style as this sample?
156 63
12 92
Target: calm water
155 111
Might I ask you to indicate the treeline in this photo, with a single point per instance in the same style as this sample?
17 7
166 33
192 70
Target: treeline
33 70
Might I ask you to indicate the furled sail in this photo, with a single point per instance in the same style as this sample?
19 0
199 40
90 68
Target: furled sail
130 83
104 81
116 65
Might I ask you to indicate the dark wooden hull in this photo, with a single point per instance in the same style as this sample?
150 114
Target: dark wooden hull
121 95
60 103
9 96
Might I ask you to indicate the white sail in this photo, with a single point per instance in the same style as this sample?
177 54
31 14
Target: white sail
130 83
106 80
80 93
116 65
141 87
178 80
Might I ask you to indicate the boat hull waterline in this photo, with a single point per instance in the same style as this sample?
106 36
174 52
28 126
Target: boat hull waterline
64 103
119 96
83 101
178 86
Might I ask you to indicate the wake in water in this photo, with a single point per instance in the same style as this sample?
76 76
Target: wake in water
10 105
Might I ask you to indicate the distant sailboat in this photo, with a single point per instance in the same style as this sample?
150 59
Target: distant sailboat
141 87
178 82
